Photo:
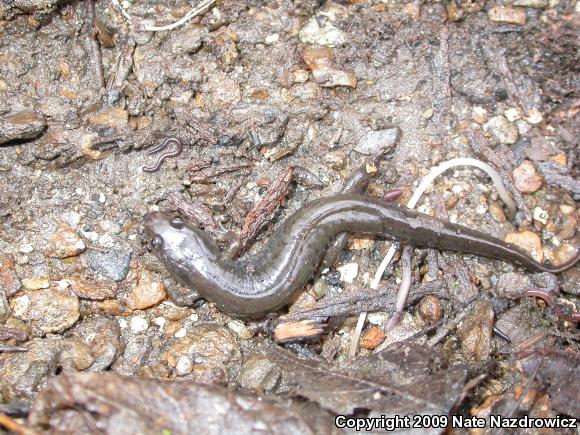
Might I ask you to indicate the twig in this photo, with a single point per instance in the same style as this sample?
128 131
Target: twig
204 6
356 334
12 425
262 212
94 45
403 288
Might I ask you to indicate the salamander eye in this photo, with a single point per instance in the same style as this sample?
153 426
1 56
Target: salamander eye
157 242
177 223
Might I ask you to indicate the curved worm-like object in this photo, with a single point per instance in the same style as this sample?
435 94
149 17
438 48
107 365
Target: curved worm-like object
166 155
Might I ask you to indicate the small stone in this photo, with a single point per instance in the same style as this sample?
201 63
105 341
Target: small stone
103 336
299 76
497 212
427 113
240 329
560 159
348 272
526 178
503 130
569 227
475 332
336 160
138 324
9 282
36 283
538 4
223 91
111 306
372 338
509 15
534 116
115 117
113 264
25 248
321 62
184 366
260 374
146 293
512 114
479 114
430 309
540 149
93 290
378 140
65 242
540 215
272 39
527 241
214 350
21 126
360 243
321 32
412 9
49 311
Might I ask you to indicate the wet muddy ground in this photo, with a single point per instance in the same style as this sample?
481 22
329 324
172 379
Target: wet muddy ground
251 89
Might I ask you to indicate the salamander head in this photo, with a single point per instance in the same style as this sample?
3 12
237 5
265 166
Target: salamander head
175 242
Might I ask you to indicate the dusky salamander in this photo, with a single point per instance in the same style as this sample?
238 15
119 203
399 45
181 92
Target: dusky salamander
265 283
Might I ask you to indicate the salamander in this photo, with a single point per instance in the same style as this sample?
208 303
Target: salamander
260 285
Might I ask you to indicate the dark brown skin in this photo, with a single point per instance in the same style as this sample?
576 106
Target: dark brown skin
292 254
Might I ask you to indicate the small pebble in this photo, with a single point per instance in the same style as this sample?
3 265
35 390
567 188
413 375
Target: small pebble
36 283
479 114
512 114
113 117
378 140
430 309
529 242
65 242
509 15
336 160
146 293
321 32
534 116
113 264
540 215
497 212
50 311
9 282
21 126
538 4
569 227
299 76
503 130
138 324
348 272
240 329
260 374
526 178
93 290
272 39
184 365
372 338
